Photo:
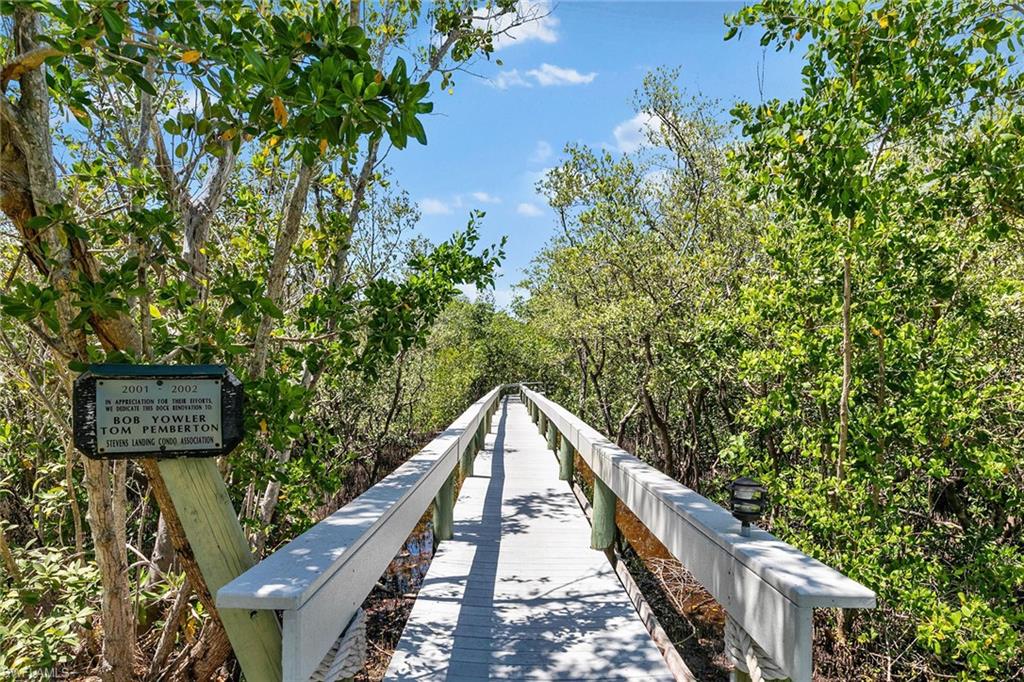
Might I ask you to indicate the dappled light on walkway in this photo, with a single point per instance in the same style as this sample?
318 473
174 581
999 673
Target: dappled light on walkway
517 593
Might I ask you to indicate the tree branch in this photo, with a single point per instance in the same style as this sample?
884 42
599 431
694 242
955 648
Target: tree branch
25 62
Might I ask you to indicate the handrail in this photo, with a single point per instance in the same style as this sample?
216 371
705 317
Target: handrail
767 586
340 559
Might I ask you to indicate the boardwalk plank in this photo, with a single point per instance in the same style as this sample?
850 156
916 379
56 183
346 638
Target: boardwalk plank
517 594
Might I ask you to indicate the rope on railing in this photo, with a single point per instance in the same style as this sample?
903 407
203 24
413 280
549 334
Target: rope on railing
748 656
347 656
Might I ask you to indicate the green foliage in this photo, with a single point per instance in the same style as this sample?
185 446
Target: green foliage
44 614
707 323
877 164
695 305
301 74
178 228
472 348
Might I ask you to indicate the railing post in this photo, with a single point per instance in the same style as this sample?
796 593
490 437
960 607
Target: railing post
542 424
566 455
466 461
552 437
480 436
444 509
602 535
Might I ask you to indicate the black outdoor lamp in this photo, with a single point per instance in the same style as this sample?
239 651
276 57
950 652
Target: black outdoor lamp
748 500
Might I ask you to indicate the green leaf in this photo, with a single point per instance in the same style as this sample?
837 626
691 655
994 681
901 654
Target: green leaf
269 308
416 128
234 310
143 84
114 24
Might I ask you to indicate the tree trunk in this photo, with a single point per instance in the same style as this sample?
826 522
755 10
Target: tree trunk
584 384
28 187
163 552
287 235
205 657
106 520
620 434
844 398
172 621
661 432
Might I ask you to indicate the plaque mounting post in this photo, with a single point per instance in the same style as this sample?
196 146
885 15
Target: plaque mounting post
184 416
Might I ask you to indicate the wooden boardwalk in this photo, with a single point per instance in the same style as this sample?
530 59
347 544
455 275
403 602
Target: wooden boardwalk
518 594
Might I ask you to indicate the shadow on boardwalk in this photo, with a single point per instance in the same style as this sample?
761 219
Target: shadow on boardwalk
517 593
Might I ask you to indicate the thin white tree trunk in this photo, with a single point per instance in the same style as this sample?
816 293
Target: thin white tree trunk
287 235
106 508
106 520
844 397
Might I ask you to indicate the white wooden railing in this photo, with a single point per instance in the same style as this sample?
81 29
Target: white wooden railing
319 580
768 587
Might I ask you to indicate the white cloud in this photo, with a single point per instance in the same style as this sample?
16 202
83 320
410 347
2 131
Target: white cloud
541 153
531 20
485 198
502 297
545 76
659 179
529 210
549 74
510 78
632 134
435 206
531 178
431 206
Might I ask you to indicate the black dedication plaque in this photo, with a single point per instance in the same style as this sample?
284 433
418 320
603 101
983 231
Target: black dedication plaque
128 411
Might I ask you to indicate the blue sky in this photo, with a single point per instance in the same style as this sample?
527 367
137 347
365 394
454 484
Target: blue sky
568 78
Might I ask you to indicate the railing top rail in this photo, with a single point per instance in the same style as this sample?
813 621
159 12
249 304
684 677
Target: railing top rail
288 578
803 579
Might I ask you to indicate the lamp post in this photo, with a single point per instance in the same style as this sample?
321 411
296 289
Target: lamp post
747 499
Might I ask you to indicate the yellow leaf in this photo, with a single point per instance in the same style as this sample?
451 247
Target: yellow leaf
228 135
323 146
280 113
800 138
274 139
876 332
883 21
263 426
190 56
155 312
